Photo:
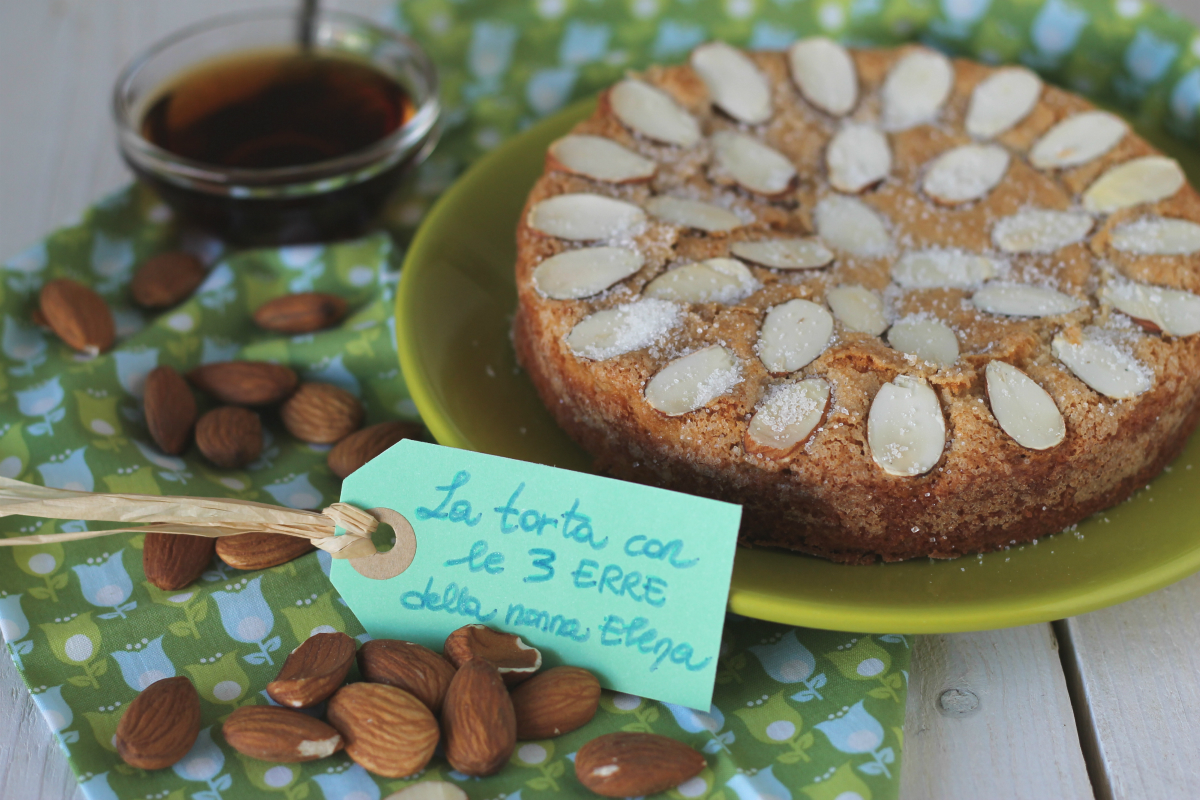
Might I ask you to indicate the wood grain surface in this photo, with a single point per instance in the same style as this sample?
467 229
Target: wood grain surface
990 714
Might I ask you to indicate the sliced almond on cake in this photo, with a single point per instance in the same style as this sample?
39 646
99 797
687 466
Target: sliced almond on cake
600 159
1023 300
1040 231
586 217
1142 180
694 381
1155 308
616 331
1103 366
906 431
1024 410
857 308
754 165
573 274
653 113
934 268
784 253
825 74
793 334
1001 101
717 280
1078 139
849 224
734 84
916 89
1158 236
928 339
965 173
858 157
693 214
786 417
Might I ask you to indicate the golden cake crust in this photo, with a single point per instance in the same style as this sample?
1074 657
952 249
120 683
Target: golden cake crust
830 497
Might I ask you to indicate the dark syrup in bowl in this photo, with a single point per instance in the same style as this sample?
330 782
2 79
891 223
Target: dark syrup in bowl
278 146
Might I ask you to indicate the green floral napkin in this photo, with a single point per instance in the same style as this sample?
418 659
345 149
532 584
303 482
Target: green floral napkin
797 713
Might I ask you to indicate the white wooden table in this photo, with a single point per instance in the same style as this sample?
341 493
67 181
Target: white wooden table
1105 705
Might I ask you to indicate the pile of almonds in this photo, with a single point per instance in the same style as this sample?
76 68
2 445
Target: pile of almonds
230 434
478 699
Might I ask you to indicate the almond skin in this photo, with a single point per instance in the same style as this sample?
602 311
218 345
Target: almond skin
170 409
321 413
229 437
300 313
635 764
361 446
277 734
507 652
78 316
313 671
174 560
386 730
161 724
166 279
251 551
244 383
478 720
415 669
555 702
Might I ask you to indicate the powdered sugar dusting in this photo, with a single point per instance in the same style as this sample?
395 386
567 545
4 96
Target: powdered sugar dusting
793 404
628 327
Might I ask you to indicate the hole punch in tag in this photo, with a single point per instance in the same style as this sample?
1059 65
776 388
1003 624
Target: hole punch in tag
385 565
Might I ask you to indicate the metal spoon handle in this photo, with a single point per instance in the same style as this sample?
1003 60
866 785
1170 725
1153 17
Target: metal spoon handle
308 23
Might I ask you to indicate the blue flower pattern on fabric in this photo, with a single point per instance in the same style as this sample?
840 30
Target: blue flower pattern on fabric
68 472
352 784
43 401
144 664
856 732
106 584
247 618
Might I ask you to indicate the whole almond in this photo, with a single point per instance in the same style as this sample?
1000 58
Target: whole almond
78 316
507 652
166 279
276 734
478 720
174 560
244 383
251 551
635 764
300 313
387 731
408 666
313 671
161 724
229 437
555 702
321 413
361 446
170 409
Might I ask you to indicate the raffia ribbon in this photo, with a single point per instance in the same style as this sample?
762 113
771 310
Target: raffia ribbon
196 516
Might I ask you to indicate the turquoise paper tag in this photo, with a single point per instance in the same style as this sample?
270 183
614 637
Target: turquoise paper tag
625 580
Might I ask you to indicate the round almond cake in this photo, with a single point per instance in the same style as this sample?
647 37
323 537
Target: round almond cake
893 304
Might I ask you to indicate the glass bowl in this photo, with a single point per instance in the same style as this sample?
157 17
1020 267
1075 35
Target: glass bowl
331 199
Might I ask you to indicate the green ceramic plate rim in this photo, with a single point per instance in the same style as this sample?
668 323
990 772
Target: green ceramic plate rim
937 617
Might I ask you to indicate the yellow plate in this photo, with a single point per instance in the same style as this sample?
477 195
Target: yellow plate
453 312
